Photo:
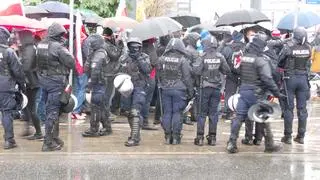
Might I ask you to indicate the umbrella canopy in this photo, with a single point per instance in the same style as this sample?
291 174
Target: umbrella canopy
305 19
239 17
90 17
55 7
119 22
20 22
155 27
35 12
210 27
186 20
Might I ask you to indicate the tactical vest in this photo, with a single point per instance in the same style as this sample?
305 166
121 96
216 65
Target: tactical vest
4 68
171 71
211 68
98 72
48 65
300 55
248 70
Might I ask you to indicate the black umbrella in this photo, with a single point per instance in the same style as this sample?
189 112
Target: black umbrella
35 12
186 20
218 32
239 17
155 27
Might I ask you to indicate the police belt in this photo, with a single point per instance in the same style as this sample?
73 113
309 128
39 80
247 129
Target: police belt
48 73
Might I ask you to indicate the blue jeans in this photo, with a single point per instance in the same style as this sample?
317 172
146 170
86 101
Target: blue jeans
7 106
173 103
210 101
40 105
297 86
246 100
79 90
149 94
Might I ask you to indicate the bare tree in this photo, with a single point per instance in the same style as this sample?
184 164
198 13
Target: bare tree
157 7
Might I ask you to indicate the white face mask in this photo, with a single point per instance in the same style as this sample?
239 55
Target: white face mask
250 38
199 43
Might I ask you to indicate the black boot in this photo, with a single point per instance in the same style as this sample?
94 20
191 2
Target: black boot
106 125
268 140
134 138
257 142
168 138
51 132
299 139
10 144
211 140
198 140
93 131
176 139
286 139
247 141
147 126
55 134
35 136
232 146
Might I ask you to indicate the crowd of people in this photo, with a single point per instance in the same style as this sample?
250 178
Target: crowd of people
173 70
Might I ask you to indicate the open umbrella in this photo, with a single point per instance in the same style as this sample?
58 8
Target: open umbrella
155 27
305 19
56 9
239 17
35 12
90 17
186 20
218 32
20 22
119 22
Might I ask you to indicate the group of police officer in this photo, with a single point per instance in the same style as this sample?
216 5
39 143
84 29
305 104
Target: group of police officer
183 72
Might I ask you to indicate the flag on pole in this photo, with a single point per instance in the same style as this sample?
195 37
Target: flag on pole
11 7
122 9
78 43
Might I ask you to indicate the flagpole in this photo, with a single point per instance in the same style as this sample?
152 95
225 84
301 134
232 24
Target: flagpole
71 31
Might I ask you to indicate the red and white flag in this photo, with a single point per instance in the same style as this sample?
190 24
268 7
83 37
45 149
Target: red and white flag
11 7
122 9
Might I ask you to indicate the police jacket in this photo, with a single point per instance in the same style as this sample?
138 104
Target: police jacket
174 68
209 68
138 68
11 71
295 58
255 71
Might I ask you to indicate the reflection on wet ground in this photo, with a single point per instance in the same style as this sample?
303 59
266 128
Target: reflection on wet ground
108 158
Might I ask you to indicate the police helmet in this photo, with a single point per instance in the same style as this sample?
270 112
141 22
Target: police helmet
209 42
300 35
261 35
4 34
123 84
134 42
264 111
233 102
72 104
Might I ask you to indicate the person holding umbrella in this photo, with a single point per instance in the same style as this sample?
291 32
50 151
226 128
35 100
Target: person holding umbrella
174 76
295 59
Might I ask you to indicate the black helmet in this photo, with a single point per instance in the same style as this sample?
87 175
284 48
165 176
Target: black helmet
300 35
72 104
4 35
176 44
264 111
261 35
135 46
209 42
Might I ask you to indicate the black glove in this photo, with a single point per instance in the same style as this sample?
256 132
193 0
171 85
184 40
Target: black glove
190 94
280 95
22 87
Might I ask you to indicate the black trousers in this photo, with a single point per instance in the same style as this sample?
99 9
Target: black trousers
30 112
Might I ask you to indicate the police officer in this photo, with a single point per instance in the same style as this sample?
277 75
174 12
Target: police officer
54 62
11 73
137 65
191 40
255 74
96 68
209 68
232 52
27 52
174 73
295 59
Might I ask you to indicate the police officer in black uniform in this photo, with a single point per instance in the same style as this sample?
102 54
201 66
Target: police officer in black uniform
256 78
11 73
209 68
137 65
96 68
295 59
176 88
54 62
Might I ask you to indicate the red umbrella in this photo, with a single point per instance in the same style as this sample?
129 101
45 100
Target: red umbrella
20 22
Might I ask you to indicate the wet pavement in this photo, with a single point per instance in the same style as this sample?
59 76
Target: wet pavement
108 158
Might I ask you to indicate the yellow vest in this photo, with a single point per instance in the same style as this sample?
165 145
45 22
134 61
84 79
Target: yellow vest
315 58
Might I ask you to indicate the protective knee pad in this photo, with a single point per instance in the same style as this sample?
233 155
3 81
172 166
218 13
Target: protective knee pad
134 113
